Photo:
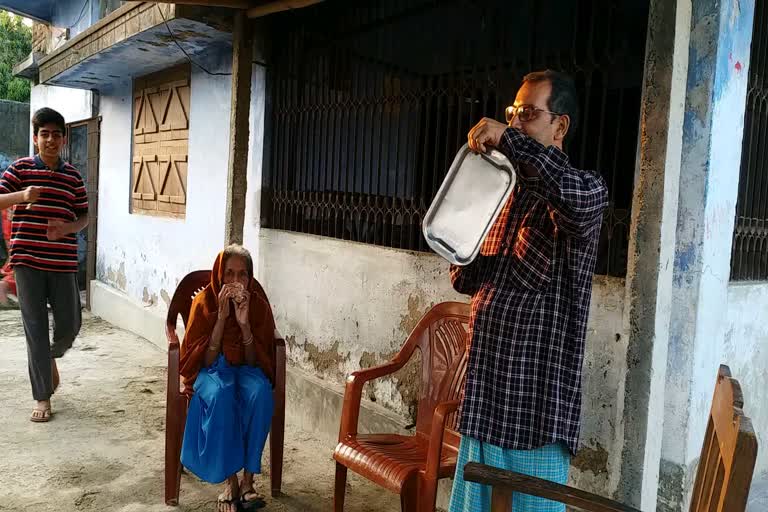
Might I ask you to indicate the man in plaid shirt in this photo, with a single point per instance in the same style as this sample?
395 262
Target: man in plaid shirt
531 287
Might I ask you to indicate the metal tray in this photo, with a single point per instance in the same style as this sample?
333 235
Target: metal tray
470 199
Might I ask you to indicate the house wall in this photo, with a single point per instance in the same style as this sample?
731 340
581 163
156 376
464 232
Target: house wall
745 351
145 256
142 258
14 131
76 15
719 56
343 306
252 224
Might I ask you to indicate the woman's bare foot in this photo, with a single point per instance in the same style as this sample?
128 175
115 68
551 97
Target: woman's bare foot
229 499
248 494
42 412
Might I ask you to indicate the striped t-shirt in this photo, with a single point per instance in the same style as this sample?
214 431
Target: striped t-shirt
63 197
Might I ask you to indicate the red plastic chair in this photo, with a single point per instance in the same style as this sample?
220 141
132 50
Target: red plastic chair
178 402
411 465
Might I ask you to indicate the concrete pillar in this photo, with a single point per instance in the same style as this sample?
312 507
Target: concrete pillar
237 176
651 249
721 33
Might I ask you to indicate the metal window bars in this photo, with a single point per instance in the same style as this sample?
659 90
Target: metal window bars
749 258
369 104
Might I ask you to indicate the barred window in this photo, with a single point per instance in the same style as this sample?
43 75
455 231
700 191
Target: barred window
749 259
370 103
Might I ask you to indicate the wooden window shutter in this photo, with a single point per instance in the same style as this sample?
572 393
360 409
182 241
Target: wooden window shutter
160 142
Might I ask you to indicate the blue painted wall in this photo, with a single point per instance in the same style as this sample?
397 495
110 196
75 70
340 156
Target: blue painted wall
719 52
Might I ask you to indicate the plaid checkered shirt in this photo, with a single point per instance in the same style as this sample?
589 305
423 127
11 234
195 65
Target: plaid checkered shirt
531 286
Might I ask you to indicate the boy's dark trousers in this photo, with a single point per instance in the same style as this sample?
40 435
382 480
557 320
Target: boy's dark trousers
35 289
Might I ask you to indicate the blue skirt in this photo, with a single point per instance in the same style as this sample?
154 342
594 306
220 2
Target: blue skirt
228 421
550 462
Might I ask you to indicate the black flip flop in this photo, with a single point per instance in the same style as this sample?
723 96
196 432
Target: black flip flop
253 504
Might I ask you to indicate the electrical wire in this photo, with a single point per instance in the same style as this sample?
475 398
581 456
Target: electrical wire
82 13
189 58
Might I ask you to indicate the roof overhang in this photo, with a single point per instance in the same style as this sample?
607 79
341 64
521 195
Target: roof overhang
29 67
137 39
255 8
40 10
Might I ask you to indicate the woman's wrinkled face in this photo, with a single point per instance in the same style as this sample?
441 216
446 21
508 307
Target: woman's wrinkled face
236 271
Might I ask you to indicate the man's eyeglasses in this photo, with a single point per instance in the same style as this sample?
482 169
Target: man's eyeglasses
525 113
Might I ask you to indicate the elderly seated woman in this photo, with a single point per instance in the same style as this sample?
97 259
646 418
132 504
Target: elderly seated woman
227 359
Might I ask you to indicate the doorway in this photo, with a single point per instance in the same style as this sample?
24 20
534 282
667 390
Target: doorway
82 151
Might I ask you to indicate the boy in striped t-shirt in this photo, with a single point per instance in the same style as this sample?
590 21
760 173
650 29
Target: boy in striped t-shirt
50 208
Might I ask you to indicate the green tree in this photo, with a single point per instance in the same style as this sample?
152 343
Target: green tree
15 46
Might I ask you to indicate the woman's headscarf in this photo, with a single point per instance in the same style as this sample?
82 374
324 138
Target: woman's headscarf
203 317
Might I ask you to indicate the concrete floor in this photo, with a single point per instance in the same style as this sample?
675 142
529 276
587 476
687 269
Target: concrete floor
103 449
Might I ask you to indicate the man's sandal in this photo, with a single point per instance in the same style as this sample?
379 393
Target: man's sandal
41 415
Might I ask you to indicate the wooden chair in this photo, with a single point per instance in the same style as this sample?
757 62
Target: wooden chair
411 465
723 477
178 401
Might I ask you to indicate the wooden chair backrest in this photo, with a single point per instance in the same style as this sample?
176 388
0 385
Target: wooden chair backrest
186 291
728 456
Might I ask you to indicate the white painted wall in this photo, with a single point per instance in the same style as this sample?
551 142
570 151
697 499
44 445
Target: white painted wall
719 217
255 161
145 256
712 141
344 305
746 352
341 302
605 370
73 104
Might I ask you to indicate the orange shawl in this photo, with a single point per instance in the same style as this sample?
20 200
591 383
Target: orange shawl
202 318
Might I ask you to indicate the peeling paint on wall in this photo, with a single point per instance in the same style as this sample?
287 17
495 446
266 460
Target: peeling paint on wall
591 457
417 308
117 278
166 298
407 381
326 361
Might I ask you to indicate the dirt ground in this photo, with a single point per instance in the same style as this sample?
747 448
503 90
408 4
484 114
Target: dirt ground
103 449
